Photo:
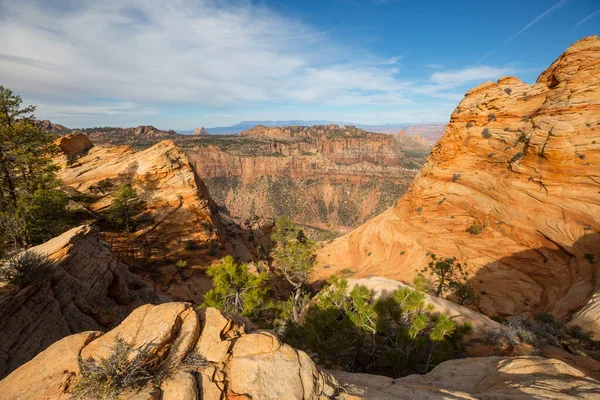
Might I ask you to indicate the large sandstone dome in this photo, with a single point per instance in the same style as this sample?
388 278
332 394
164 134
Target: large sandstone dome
519 167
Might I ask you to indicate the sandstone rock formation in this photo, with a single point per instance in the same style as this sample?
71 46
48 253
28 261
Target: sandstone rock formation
200 131
206 355
72 147
47 126
511 189
321 175
148 130
478 378
430 132
210 355
88 289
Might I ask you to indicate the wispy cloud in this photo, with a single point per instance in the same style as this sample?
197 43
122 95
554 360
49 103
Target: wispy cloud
529 25
434 66
584 20
208 53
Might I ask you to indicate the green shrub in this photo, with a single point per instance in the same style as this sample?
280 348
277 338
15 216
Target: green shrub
491 117
24 268
455 177
474 229
124 369
486 133
235 289
395 336
191 245
508 91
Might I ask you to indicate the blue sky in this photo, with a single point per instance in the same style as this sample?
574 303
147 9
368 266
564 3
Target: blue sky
182 63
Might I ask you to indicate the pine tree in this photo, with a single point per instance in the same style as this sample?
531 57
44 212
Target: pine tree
125 206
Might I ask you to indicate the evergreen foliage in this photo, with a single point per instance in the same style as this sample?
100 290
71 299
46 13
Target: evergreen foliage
394 336
236 290
293 260
23 269
32 210
125 206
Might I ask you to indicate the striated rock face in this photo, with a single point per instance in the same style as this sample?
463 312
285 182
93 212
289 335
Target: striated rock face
179 207
478 378
319 175
238 362
72 147
88 289
519 167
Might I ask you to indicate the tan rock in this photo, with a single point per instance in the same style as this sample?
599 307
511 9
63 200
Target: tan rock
258 367
72 147
88 289
477 378
49 374
181 386
522 163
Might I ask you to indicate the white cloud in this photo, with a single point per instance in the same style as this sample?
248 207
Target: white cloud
203 52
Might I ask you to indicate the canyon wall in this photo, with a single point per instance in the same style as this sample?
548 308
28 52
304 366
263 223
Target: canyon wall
323 176
512 190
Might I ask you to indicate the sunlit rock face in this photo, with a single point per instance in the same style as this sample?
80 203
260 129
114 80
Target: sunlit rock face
512 189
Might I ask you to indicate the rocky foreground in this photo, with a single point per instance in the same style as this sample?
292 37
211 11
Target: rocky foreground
512 190
209 355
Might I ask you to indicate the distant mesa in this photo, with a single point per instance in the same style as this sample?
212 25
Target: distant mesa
47 126
148 130
200 131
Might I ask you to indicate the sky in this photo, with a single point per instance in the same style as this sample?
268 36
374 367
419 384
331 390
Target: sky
181 64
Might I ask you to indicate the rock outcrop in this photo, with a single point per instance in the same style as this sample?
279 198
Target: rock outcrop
200 131
150 131
72 147
178 206
47 126
206 355
511 189
430 132
478 378
210 355
87 289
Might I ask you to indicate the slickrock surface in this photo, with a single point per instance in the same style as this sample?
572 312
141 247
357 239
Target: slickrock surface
87 289
177 202
520 164
240 362
478 378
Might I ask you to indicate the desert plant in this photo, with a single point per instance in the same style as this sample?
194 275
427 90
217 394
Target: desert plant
446 273
235 289
293 259
24 268
491 117
474 229
486 133
455 177
125 206
125 368
508 91
396 335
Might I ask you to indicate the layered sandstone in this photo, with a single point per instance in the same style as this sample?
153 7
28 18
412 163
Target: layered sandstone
321 175
87 289
72 147
230 359
511 189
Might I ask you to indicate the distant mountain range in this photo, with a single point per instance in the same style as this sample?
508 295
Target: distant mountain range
245 125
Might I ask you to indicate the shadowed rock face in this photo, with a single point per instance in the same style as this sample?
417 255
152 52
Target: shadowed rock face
88 289
520 164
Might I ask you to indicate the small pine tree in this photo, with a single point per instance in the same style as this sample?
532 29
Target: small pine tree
125 206
294 259
235 289
444 272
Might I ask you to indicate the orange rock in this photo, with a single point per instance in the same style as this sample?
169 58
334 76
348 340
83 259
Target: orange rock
519 163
